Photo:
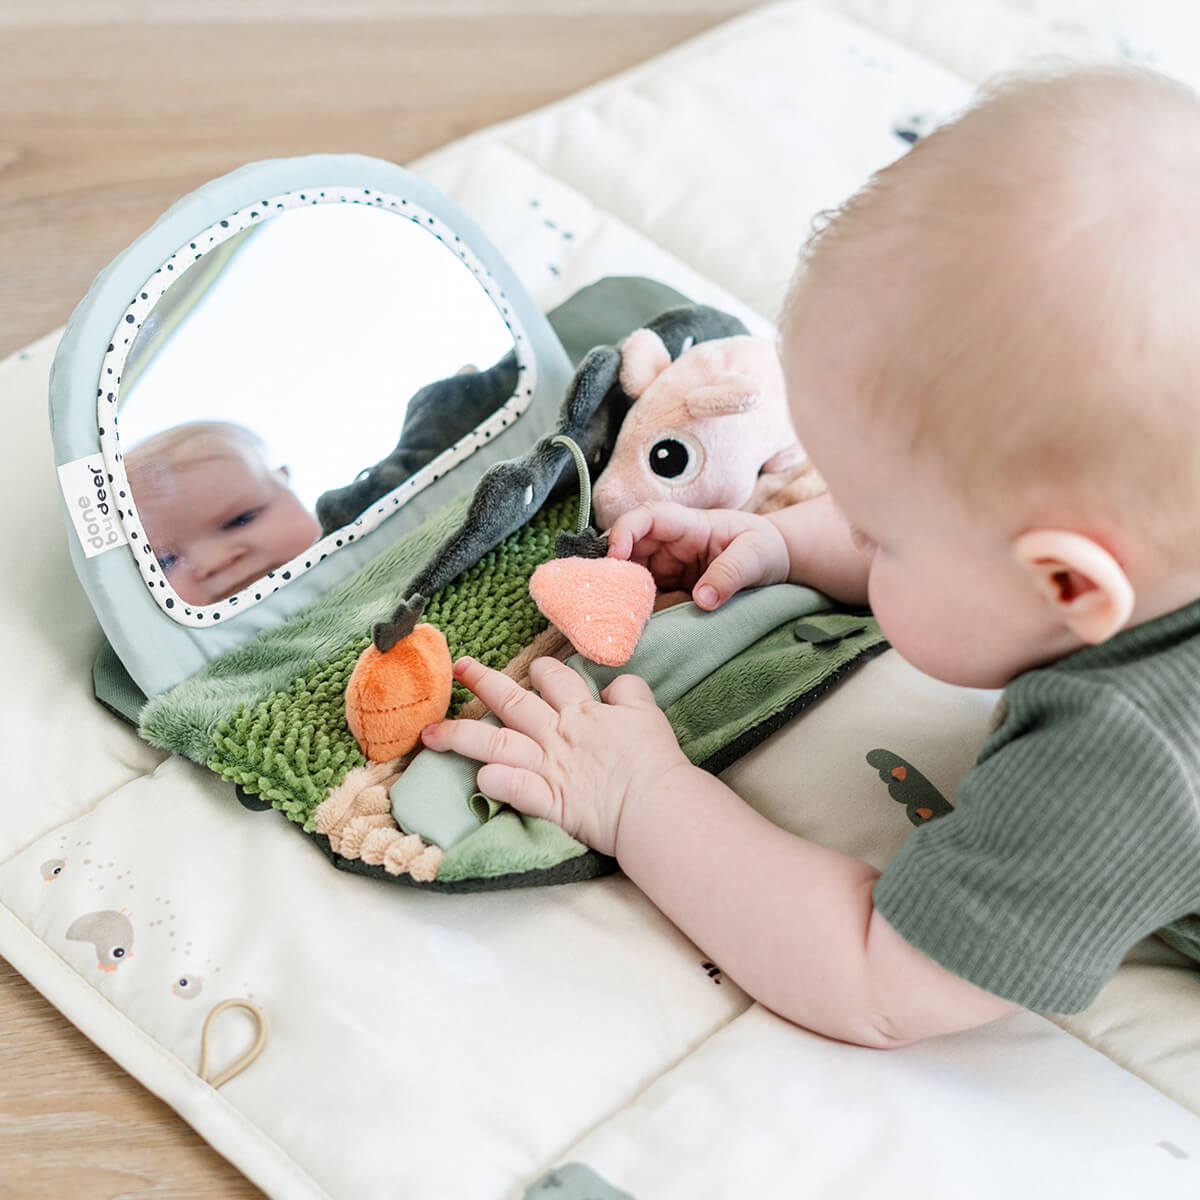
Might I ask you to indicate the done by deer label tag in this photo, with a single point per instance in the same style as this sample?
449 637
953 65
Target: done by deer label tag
89 496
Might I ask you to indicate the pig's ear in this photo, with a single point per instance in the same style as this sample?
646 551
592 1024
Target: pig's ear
643 358
725 396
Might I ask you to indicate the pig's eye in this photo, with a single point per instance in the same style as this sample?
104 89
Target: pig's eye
676 458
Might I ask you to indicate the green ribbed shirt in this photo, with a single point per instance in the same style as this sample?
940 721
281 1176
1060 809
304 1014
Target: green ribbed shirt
1077 831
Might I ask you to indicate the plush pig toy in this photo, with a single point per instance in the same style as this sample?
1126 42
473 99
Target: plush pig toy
702 428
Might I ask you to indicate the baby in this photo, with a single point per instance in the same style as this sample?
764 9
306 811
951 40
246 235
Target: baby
216 515
992 358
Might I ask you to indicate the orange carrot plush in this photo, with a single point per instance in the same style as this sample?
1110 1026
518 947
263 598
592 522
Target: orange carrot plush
400 684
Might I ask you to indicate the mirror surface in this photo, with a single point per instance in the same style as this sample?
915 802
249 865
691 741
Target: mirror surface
299 343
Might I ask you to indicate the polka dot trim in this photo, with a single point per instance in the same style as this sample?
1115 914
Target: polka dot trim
150 293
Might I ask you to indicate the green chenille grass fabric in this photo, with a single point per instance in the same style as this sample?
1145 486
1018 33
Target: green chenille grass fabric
294 745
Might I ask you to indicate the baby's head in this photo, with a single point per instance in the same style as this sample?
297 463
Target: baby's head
992 357
217 516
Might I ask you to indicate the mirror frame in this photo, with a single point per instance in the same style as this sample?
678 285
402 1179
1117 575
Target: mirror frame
108 402
159 638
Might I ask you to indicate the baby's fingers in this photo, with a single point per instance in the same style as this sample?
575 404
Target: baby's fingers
557 684
657 524
630 690
752 558
627 530
726 575
526 791
485 741
516 706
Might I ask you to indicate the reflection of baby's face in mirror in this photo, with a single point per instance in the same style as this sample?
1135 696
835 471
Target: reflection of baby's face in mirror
217 516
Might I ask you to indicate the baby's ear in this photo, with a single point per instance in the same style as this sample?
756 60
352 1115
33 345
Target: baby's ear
1079 579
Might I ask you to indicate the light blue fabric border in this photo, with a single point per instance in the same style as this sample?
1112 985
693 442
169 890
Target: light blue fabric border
157 651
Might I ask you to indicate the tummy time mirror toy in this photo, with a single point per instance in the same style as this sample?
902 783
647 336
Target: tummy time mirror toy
228 400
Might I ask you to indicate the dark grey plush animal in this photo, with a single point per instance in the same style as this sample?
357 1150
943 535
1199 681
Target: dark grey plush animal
437 416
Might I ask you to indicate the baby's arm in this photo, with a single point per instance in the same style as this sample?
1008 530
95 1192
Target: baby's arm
717 552
790 921
793 923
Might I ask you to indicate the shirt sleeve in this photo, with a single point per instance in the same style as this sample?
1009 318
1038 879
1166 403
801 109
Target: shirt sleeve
1074 836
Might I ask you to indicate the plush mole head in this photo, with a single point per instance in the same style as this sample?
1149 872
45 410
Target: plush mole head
703 427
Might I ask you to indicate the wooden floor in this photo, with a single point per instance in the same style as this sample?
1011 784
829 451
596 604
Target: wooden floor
109 111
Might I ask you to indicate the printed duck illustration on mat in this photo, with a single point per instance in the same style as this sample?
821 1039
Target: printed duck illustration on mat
52 868
110 933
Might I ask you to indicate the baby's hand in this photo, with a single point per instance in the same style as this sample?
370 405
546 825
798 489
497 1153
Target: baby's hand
711 552
564 756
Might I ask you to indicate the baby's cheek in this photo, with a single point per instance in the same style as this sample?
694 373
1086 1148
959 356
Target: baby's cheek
909 617
881 593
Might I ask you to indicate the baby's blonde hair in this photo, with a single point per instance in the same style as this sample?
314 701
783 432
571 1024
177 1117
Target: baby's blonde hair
1018 294
151 462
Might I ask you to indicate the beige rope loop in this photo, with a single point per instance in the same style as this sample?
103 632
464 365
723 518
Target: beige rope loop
239 1064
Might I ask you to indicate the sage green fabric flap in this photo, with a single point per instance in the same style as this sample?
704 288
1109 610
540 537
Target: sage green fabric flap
113 687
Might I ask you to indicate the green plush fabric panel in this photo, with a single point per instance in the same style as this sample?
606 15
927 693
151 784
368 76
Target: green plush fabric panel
750 696
509 844
292 745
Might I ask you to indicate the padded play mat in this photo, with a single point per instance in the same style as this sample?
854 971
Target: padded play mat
567 1041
